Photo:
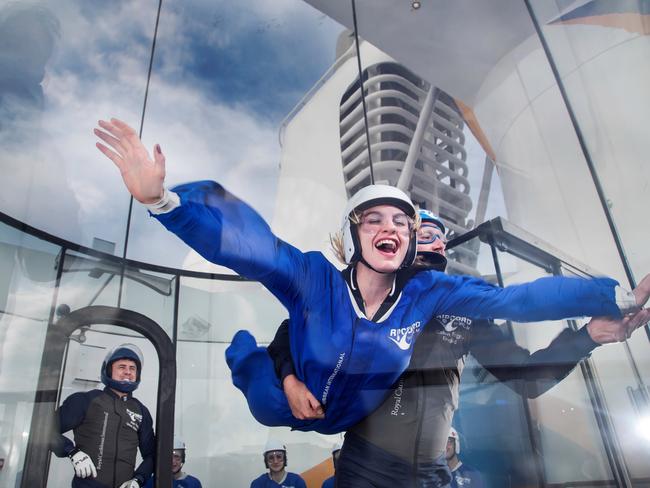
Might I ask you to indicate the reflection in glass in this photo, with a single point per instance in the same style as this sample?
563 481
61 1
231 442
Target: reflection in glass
224 77
212 311
152 294
88 280
227 443
566 432
27 281
63 67
601 51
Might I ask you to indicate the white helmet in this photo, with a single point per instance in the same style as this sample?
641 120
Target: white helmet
274 445
179 445
453 434
367 197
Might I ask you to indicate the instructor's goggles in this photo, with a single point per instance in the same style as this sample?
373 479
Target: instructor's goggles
429 233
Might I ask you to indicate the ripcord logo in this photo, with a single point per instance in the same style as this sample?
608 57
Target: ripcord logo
451 325
451 322
135 419
403 338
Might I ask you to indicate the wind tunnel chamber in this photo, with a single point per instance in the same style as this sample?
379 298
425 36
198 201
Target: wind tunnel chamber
522 124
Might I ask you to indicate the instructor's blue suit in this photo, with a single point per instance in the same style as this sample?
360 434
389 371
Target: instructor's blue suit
347 361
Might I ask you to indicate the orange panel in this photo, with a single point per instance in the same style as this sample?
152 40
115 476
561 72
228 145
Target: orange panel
315 476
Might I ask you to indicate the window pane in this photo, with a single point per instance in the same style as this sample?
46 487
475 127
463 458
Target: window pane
227 446
601 51
225 77
27 279
71 63
562 418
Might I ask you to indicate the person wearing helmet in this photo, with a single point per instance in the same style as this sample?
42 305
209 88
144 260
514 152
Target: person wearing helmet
462 475
275 460
403 441
339 352
109 426
431 242
181 479
336 452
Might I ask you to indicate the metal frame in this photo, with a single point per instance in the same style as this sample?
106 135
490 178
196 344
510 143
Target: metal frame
498 233
503 236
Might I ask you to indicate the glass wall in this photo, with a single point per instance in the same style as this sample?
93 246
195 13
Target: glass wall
27 293
223 77
529 111
64 67
600 53
228 443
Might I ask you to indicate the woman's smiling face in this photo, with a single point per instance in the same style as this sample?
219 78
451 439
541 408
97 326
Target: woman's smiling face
384 235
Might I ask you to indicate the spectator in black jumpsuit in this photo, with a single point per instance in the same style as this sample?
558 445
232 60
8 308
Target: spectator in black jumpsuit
109 426
403 442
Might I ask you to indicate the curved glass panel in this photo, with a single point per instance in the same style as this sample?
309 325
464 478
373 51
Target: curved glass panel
227 444
503 86
27 290
88 280
463 111
563 424
225 75
213 311
601 50
64 67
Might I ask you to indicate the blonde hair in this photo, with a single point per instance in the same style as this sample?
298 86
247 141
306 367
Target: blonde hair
336 242
336 239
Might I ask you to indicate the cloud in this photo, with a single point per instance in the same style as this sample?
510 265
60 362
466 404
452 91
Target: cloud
224 77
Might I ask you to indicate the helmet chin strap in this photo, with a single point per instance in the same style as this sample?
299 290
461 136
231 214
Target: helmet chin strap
369 266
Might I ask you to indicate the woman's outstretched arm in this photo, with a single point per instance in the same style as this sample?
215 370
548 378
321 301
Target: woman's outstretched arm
549 298
219 226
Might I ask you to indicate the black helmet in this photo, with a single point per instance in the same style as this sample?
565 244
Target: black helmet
123 351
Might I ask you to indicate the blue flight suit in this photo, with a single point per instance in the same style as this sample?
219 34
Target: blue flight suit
346 360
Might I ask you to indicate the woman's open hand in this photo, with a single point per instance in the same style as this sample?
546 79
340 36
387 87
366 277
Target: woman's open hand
143 176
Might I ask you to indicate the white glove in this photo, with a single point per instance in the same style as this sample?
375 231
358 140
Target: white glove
130 484
83 465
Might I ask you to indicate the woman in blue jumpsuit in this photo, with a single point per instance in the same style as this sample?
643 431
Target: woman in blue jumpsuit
347 360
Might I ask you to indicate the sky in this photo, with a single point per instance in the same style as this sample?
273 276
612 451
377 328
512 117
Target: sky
224 76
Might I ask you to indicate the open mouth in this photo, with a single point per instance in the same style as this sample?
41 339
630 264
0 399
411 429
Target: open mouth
387 246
